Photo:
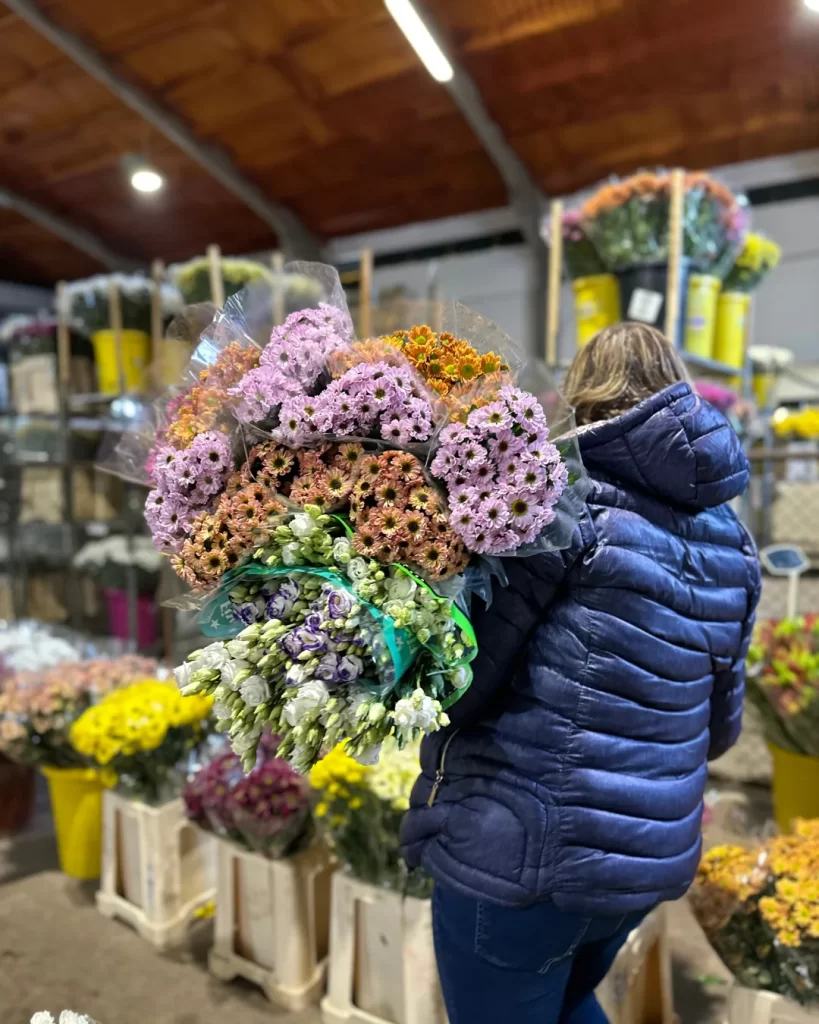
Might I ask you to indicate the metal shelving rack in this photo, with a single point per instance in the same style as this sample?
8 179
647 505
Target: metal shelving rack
675 301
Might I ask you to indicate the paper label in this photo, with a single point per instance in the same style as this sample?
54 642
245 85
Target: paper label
645 305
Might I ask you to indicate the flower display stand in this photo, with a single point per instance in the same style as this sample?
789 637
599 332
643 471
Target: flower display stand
273 922
749 1006
157 868
382 960
637 989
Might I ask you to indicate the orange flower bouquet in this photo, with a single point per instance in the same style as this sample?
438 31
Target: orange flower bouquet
760 911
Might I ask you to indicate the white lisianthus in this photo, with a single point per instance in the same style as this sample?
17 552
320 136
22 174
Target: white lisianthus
460 676
302 525
368 757
245 740
401 588
358 569
254 691
427 714
231 670
404 715
238 648
291 553
42 1018
295 674
311 696
220 712
183 674
212 656
342 550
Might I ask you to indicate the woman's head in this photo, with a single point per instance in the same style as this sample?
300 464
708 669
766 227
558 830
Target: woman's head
617 369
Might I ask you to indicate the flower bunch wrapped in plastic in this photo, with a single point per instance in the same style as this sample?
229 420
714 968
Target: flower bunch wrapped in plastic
628 220
338 648
359 810
783 682
326 497
37 709
266 810
760 911
580 257
143 733
66 1017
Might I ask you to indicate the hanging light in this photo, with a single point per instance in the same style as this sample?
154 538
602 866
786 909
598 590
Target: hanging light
146 179
420 39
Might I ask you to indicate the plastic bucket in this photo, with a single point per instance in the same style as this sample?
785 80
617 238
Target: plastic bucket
596 305
732 325
701 314
118 624
76 802
795 787
136 350
643 294
16 795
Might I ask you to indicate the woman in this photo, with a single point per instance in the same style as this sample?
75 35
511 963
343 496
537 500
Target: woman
565 800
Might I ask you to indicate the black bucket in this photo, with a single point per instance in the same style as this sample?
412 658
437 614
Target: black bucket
643 295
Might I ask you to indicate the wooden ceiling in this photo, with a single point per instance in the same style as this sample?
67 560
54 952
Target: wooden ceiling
323 104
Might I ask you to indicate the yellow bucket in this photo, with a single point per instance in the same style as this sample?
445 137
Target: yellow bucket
795 787
136 352
732 325
174 356
701 314
76 802
596 305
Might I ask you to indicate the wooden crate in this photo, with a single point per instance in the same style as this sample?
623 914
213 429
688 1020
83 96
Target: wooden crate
157 868
382 960
273 922
749 1006
637 989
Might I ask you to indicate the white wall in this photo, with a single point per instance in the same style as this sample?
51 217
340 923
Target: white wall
494 281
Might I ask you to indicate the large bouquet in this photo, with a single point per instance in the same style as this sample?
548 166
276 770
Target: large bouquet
266 810
143 733
783 682
359 810
37 709
760 911
330 500
627 220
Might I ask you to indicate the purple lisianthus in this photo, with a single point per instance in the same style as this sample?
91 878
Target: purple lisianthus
279 606
327 669
247 612
350 668
339 602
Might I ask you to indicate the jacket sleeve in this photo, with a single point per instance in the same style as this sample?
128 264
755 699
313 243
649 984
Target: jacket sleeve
505 627
729 683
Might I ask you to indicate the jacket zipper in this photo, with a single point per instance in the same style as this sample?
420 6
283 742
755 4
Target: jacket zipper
439 775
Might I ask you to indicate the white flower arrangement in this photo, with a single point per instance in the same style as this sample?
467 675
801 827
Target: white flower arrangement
116 549
26 647
66 1017
313 664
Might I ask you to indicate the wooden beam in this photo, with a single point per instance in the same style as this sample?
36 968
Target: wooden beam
297 240
81 239
555 276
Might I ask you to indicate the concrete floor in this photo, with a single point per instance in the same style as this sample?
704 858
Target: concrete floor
57 952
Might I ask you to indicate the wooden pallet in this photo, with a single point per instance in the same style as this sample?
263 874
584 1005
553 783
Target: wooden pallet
382 960
272 922
157 868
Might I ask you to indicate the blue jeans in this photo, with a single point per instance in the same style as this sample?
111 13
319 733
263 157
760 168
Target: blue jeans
534 965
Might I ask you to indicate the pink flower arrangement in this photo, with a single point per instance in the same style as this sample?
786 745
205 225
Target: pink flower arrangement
266 810
503 475
37 709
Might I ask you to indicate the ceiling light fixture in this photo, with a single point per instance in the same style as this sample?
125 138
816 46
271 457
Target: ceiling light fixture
812 5
144 179
420 39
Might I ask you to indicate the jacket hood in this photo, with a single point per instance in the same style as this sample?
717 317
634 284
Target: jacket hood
674 445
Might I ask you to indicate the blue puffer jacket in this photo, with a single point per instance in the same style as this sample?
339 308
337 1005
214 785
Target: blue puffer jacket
607 675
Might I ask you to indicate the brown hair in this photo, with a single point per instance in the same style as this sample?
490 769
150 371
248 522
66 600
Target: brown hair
617 369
